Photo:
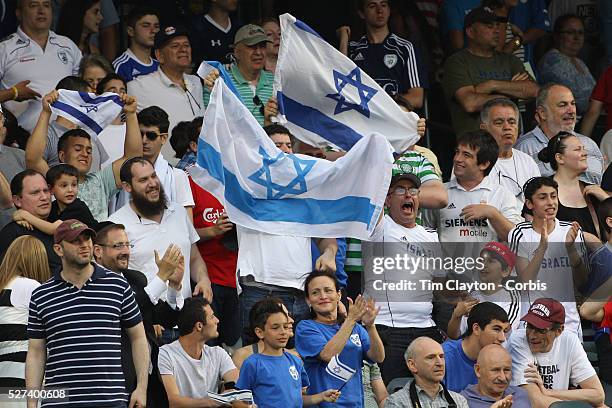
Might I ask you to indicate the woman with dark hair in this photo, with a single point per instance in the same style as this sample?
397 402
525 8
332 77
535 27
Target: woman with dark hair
578 201
78 20
562 65
329 335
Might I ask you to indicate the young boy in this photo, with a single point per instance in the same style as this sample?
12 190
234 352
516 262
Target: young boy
62 180
276 377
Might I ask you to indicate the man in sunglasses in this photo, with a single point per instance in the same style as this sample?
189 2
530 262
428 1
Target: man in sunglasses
547 361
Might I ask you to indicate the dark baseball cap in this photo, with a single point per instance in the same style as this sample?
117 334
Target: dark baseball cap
480 15
250 34
545 312
167 33
70 230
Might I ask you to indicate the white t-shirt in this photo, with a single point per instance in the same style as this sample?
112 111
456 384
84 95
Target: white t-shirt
406 307
112 138
555 270
566 363
514 172
194 378
509 300
280 260
147 236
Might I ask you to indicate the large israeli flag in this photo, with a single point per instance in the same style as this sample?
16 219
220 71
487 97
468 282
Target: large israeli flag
323 97
265 189
90 111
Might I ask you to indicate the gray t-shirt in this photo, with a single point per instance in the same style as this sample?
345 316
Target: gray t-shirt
194 378
12 161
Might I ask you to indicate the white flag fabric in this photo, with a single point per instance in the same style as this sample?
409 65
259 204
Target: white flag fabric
90 111
267 190
339 370
323 97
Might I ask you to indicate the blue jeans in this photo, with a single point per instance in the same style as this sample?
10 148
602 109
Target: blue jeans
293 299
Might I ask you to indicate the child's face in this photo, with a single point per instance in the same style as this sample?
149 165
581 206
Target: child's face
276 331
65 189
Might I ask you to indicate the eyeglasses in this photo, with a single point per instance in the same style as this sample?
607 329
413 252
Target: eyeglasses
537 330
258 102
118 245
151 135
402 191
575 33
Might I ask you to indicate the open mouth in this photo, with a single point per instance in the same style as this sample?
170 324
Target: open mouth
408 206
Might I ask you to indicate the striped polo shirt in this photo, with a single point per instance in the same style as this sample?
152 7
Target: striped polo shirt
82 329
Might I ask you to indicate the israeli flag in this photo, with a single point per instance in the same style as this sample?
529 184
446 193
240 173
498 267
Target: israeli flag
267 190
339 370
206 67
88 110
324 98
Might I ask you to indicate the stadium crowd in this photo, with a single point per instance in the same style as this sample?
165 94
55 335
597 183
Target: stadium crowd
125 283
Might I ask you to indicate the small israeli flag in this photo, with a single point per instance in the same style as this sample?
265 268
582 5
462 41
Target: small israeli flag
88 110
338 370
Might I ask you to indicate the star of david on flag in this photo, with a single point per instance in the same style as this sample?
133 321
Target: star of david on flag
90 111
339 370
364 92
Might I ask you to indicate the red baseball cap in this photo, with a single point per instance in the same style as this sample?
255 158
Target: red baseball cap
70 230
502 251
545 312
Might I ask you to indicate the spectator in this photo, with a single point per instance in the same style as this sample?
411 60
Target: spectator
112 137
426 361
577 201
271 27
390 60
74 148
87 352
328 334
556 111
546 359
6 202
265 374
562 64
170 87
494 371
112 251
142 26
479 73
33 60
23 269
166 223
487 324
12 159
31 193
374 391
500 117
405 317
601 98
78 20
184 141
564 263
107 39
254 84
93 69
215 31
189 368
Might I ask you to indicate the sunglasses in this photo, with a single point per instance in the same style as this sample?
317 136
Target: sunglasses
258 102
151 135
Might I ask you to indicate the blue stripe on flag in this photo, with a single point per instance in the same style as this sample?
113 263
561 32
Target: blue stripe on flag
78 115
100 99
303 26
301 210
317 122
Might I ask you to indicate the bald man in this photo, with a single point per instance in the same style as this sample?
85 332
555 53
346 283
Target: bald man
425 360
494 372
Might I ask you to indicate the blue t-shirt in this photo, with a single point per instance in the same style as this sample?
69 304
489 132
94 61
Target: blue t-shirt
340 259
310 338
128 67
276 381
459 367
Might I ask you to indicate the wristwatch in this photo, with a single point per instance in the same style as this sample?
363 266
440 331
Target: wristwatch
517 41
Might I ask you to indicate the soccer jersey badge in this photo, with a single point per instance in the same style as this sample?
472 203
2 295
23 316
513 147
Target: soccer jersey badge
355 339
390 60
63 56
293 372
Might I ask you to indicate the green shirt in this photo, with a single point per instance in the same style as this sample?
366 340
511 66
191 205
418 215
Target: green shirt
97 190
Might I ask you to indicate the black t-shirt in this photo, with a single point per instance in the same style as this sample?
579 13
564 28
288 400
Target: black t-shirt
606 181
210 42
13 231
77 210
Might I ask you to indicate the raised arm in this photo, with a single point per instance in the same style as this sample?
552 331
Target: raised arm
132 146
433 194
590 118
336 344
37 142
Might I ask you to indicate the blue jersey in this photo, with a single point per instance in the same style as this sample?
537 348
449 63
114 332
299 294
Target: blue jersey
310 338
128 67
276 381
459 367
394 64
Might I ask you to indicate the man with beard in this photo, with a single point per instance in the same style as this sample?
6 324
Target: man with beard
556 112
112 251
74 328
152 224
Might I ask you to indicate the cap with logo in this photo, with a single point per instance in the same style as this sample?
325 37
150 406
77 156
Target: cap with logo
545 312
70 230
501 251
480 15
404 171
250 34
167 33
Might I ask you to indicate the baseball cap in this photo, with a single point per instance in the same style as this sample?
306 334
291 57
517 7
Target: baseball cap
70 230
404 171
501 251
167 33
544 312
250 34
480 15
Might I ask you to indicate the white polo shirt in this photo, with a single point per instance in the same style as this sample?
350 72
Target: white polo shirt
147 235
21 58
156 89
